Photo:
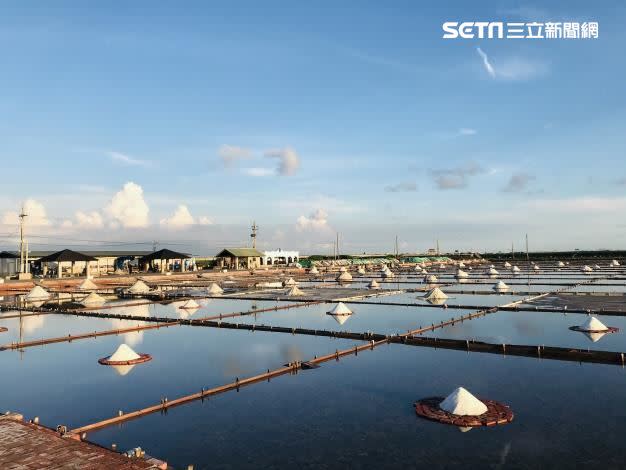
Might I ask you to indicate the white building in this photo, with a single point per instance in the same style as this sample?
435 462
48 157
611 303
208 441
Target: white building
280 257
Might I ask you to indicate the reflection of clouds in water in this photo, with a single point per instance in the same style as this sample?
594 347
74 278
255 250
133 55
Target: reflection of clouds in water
30 324
291 352
504 454
140 311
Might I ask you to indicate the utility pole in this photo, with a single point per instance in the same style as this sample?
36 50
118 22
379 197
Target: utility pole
337 247
255 228
512 251
396 246
438 252
23 243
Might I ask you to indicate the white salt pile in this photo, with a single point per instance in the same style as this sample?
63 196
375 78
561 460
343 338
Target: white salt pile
462 403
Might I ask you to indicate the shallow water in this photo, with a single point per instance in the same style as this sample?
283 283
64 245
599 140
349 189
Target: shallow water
357 413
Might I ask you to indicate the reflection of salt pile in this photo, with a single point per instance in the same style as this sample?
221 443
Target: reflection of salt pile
373 284
313 270
214 289
139 287
594 337
87 284
123 354
294 292
435 294
123 370
500 286
344 276
461 274
37 293
93 299
190 304
462 403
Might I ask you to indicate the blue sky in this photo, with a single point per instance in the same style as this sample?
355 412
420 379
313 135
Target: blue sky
131 123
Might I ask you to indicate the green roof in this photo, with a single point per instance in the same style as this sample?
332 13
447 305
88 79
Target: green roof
239 253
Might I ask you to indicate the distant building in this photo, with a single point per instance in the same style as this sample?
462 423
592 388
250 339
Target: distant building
9 264
280 257
239 258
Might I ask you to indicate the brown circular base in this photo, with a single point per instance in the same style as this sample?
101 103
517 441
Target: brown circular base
3 329
609 329
497 413
142 358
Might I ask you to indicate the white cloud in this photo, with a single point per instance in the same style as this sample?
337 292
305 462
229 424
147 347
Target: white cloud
289 161
127 160
36 215
128 207
513 68
258 172
91 219
401 188
231 153
467 131
488 67
317 221
456 178
182 218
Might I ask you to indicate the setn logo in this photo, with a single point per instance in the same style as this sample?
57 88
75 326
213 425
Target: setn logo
473 29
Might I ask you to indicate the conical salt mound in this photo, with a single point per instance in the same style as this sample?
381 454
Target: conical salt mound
87 284
593 324
342 269
340 309
344 276
214 289
37 293
442 266
536 267
507 264
123 353
430 278
561 264
493 272
461 264
373 284
614 263
463 403
417 268
289 282
587 269
93 299
139 287
387 273
361 270
314 270
294 292
461 273
597 267
436 294
190 304
515 269
500 286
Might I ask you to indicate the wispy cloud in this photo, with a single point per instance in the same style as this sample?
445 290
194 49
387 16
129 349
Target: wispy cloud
258 172
513 68
467 131
518 182
488 67
127 160
621 181
232 153
456 178
401 188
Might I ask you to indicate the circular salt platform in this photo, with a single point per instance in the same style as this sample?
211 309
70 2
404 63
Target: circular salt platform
3 329
609 329
497 413
142 358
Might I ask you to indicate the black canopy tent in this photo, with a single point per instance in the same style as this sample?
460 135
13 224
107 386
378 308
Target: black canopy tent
65 256
163 257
